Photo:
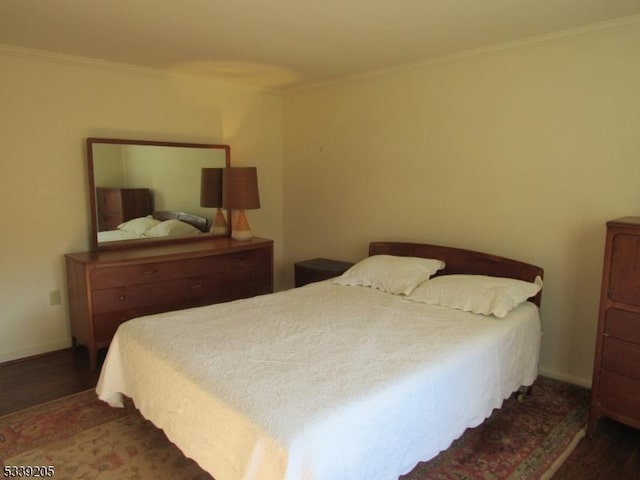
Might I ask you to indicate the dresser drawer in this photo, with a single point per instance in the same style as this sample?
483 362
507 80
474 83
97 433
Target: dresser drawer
241 275
142 273
237 265
622 324
163 295
620 394
256 283
114 306
621 357
106 324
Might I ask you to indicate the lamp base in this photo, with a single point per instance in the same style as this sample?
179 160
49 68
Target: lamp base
219 226
242 235
241 231
218 231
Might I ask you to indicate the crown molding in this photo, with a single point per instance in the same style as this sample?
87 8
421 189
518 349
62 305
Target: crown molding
606 28
609 27
87 62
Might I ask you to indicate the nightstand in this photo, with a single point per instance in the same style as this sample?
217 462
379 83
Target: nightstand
310 271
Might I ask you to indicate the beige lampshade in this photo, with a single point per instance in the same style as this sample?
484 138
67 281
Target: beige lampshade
211 187
240 188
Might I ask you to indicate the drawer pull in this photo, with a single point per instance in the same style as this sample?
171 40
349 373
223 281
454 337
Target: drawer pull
153 271
122 298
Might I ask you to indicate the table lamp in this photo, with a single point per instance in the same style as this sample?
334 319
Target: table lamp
240 192
211 196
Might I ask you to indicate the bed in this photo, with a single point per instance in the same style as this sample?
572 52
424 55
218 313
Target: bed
337 379
163 223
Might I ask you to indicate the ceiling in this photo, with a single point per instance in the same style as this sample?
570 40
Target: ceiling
286 43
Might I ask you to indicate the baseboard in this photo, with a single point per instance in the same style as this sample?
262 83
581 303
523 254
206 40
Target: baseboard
564 377
40 350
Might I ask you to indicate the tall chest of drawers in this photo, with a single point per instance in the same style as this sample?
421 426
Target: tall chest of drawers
616 373
117 205
108 288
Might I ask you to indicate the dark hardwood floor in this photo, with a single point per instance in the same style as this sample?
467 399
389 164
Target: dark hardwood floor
28 382
612 453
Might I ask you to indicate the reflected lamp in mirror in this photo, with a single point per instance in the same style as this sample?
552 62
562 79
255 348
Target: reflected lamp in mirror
240 193
211 197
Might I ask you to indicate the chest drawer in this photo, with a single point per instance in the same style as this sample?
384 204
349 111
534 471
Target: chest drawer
109 202
110 222
621 357
116 205
616 364
622 324
620 394
624 280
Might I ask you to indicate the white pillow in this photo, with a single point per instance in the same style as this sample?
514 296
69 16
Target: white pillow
476 293
139 226
398 275
172 227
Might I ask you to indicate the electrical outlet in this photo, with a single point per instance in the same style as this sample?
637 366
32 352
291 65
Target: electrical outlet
54 297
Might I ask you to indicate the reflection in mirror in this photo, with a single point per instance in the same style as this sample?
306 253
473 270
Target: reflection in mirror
148 192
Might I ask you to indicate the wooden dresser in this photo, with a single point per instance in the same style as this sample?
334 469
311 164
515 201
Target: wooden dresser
117 205
107 288
616 372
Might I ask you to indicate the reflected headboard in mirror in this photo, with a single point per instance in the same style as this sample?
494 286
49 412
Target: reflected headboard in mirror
148 182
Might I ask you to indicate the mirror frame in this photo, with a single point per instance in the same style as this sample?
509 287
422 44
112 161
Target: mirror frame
95 246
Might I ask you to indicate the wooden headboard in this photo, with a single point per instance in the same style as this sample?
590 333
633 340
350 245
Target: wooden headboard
201 223
460 261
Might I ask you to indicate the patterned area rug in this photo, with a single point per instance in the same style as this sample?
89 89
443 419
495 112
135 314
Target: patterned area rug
83 438
524 440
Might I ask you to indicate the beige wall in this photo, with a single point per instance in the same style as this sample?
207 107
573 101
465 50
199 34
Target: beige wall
48 106
523 151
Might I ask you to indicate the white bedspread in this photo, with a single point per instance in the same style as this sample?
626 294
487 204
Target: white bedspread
323 382
115 235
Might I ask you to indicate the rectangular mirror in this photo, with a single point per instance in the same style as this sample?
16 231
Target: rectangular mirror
136 186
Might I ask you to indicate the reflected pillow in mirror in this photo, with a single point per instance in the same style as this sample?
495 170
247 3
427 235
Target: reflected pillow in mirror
476 293
139 226
390 273
171 228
